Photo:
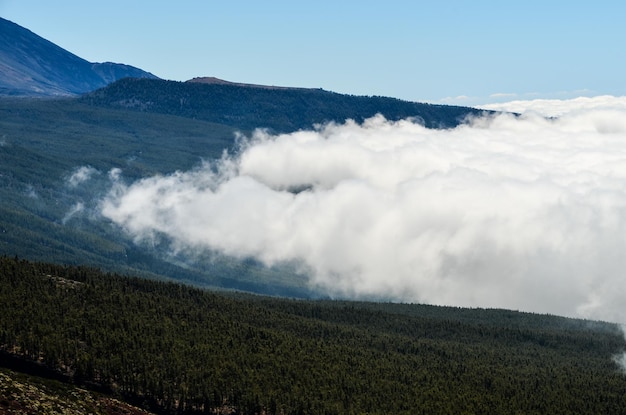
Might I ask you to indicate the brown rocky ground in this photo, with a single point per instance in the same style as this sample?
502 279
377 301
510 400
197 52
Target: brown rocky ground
22 394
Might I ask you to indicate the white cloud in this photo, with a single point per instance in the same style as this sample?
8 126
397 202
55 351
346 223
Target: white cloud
80 175
514 212
501 95
557 107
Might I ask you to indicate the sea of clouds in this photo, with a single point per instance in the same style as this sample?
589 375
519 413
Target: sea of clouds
521 212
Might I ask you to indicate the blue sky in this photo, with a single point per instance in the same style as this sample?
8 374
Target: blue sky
458 52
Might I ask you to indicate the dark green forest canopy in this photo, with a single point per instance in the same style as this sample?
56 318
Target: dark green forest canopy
178 349
279 109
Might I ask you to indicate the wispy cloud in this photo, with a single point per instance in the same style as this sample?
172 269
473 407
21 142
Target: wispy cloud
80 175
457 100
500 95
74 210
515 212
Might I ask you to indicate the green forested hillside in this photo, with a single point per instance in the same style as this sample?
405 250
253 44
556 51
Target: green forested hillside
177 349
44 142
279 109
143 129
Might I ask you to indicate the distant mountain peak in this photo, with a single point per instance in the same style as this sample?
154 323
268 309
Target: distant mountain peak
33 66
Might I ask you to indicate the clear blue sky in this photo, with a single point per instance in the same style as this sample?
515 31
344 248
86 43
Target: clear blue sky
435 51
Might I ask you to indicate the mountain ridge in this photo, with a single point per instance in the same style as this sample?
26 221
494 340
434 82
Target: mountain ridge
211 80
33 66
250 106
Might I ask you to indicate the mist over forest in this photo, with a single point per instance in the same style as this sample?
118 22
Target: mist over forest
506 211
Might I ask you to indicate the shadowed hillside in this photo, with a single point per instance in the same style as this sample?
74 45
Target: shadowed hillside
44 142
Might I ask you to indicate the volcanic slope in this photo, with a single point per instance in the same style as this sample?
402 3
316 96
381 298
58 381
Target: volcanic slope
33 66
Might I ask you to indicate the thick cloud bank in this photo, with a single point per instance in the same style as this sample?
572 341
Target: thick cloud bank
516 212
557 107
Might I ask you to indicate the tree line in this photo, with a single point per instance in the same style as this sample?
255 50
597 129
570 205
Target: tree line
282 110
180 350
